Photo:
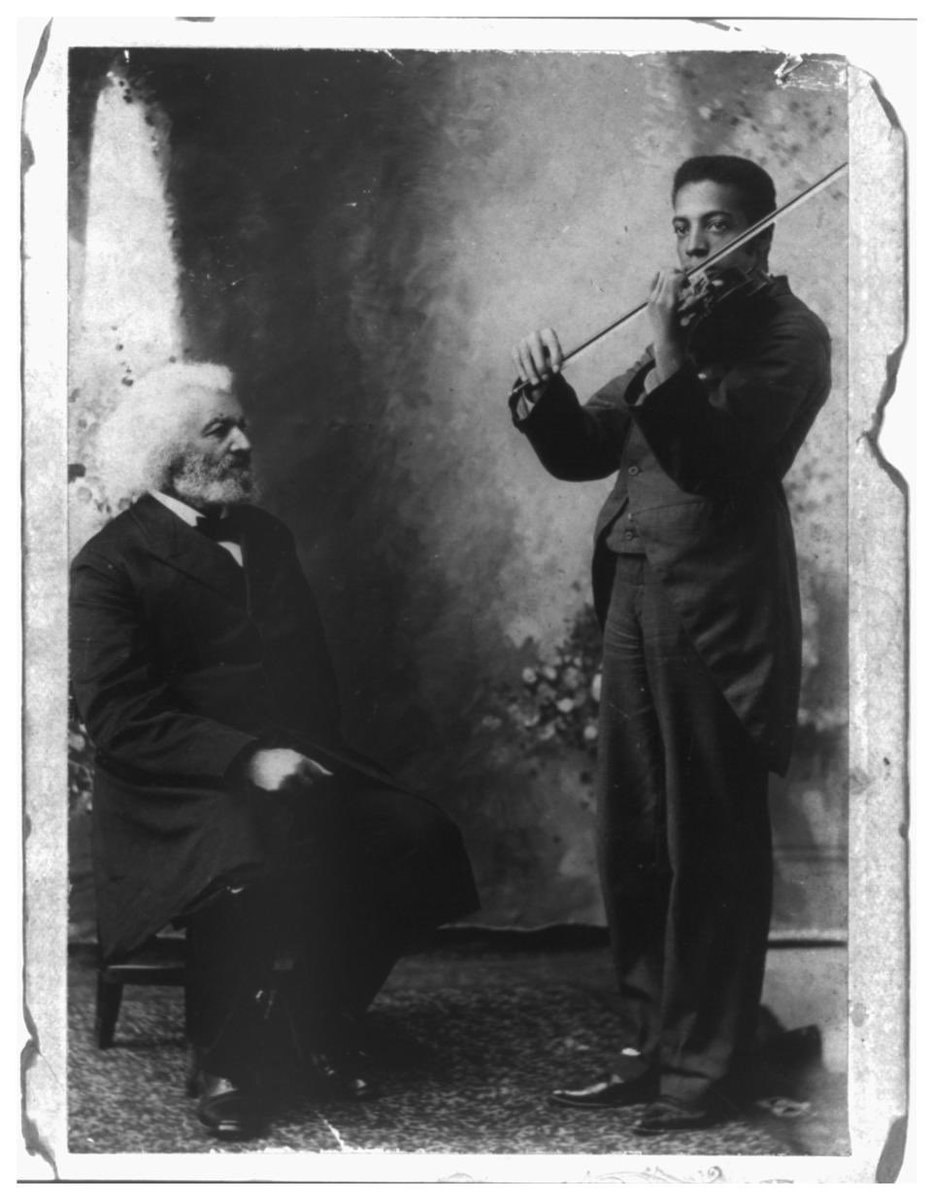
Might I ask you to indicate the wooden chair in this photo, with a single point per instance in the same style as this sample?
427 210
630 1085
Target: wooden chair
160 961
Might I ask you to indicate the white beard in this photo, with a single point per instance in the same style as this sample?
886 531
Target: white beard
200 482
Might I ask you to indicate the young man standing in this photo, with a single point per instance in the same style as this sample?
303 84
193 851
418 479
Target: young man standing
695 585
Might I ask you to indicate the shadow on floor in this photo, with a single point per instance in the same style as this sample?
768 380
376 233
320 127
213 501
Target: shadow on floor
469 1038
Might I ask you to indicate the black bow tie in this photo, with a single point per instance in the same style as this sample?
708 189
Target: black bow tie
221 528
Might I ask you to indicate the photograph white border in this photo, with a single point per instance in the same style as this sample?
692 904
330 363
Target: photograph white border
878 846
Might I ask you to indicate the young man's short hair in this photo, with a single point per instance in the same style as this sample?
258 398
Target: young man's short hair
754 185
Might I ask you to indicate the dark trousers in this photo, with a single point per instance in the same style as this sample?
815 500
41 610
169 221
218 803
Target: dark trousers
684 844
357 870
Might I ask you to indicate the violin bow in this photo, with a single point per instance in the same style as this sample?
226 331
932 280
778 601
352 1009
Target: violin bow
740 240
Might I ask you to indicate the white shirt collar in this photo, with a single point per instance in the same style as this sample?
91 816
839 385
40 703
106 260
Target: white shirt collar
189 515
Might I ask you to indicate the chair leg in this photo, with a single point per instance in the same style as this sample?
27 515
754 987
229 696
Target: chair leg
109 995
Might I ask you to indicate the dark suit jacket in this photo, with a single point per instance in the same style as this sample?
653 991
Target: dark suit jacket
700 461
181 662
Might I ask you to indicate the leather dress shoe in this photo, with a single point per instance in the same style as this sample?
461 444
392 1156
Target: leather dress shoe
339 1076
612 1092
228 1111
667 1115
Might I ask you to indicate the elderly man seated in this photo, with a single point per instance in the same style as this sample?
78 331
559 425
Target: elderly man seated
225 797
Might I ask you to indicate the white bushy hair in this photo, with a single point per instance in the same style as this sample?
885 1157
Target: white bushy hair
143 434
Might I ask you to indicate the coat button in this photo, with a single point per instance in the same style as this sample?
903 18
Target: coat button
633 470
629 535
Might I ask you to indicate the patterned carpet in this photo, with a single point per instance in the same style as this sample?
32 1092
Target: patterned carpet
466 1050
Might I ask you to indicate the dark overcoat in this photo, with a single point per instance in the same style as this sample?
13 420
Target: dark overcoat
700 462
181 663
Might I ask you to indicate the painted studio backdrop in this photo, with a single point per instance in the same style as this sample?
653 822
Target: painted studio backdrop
362 237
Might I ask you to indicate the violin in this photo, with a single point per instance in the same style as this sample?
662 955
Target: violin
718 289
715 301
716 307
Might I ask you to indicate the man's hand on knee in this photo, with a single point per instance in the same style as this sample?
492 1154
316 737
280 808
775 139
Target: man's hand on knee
284 770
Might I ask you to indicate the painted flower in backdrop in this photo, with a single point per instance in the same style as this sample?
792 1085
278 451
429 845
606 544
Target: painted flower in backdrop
554 700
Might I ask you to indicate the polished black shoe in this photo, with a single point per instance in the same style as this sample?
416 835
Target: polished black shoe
339 1076
612 1092
667 1115
226 1110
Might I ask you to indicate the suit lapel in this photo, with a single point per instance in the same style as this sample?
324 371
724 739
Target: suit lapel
260 561
182 547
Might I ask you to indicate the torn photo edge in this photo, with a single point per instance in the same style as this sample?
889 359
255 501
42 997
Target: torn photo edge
878 643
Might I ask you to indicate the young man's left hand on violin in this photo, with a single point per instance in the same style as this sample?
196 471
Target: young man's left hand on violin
668 339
